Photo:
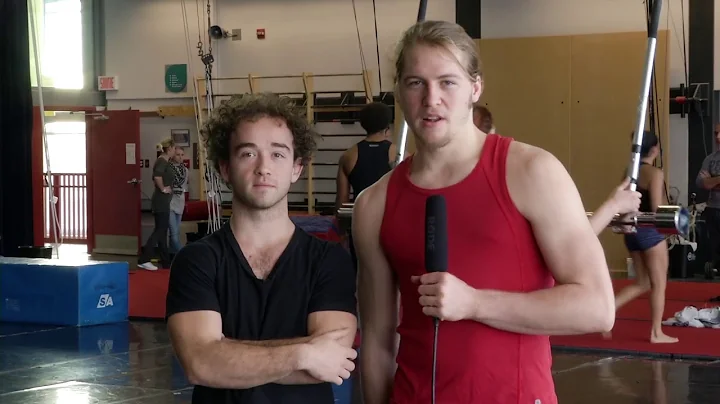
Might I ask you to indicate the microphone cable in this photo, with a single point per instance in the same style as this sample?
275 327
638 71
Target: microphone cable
434 357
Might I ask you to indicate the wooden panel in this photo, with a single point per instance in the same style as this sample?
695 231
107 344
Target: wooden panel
527 88
606 78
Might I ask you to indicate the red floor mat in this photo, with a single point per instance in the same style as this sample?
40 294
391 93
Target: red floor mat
632 326
639 309
681 290
148 290
632 337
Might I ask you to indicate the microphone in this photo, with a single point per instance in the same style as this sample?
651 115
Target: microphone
436 243
436 256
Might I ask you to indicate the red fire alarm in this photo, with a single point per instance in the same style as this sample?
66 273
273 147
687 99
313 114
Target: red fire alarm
261 33
186 163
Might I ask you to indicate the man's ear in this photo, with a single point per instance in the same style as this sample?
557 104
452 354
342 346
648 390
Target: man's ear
297 170
225 171
478 88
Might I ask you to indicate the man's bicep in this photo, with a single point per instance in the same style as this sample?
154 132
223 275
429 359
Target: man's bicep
191 331
321 322
192 281
567 241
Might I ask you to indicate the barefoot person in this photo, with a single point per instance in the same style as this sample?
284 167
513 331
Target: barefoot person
647 247
524 261
261 311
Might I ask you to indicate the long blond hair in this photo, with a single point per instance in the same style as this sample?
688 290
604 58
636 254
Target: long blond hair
448 35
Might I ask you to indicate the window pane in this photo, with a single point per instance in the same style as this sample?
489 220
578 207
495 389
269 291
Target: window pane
66 144
59 32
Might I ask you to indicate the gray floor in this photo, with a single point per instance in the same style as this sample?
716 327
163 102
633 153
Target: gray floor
133 363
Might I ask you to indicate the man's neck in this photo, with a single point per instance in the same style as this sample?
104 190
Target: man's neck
375 137
464 146
258 228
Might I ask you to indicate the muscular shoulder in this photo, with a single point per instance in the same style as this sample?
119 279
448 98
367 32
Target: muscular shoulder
370 204
534 175
529 164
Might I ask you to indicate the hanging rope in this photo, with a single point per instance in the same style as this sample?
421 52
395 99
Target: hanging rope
363 64
52 200
211 178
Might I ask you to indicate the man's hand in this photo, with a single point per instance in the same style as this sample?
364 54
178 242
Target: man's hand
326 359
625 200
444 296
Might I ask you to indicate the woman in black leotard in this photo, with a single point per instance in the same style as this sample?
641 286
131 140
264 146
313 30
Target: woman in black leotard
648 248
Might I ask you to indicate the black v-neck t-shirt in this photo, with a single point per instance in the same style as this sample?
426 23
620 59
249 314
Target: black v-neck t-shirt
310 275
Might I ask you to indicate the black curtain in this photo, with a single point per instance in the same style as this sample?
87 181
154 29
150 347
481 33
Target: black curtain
16 121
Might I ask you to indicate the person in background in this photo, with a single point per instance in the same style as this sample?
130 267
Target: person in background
647 246
483 119
177 204
368 160
163 176
709 179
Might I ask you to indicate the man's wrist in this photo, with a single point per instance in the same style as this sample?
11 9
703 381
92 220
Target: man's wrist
300 356
479 307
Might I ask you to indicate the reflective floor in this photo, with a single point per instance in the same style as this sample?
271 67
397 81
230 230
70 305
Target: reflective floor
133 363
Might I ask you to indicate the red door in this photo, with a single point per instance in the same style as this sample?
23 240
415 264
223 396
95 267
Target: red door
113 141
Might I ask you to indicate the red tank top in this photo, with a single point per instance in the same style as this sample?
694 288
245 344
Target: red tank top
491 246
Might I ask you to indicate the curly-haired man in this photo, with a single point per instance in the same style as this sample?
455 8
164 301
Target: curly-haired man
260 311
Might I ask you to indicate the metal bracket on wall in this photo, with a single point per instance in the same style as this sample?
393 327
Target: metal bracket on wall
693 98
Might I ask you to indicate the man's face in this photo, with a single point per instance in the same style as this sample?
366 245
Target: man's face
436 95
261 166
179 155
717 133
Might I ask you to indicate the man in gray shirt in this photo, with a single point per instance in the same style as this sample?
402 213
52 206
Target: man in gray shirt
709 178
163 176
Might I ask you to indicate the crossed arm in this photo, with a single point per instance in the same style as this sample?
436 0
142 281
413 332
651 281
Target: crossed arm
212 360
705 180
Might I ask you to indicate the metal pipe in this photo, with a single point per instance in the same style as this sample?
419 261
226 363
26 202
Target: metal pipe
634 168
668 219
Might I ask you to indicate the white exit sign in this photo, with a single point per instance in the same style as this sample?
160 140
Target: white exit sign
107 83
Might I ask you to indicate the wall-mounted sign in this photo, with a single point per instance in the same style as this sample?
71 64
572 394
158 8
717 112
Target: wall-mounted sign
176 78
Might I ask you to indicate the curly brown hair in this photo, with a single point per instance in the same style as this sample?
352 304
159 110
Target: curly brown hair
223 121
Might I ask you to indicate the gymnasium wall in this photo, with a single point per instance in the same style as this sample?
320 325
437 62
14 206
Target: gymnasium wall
316 36
571 84
522 18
